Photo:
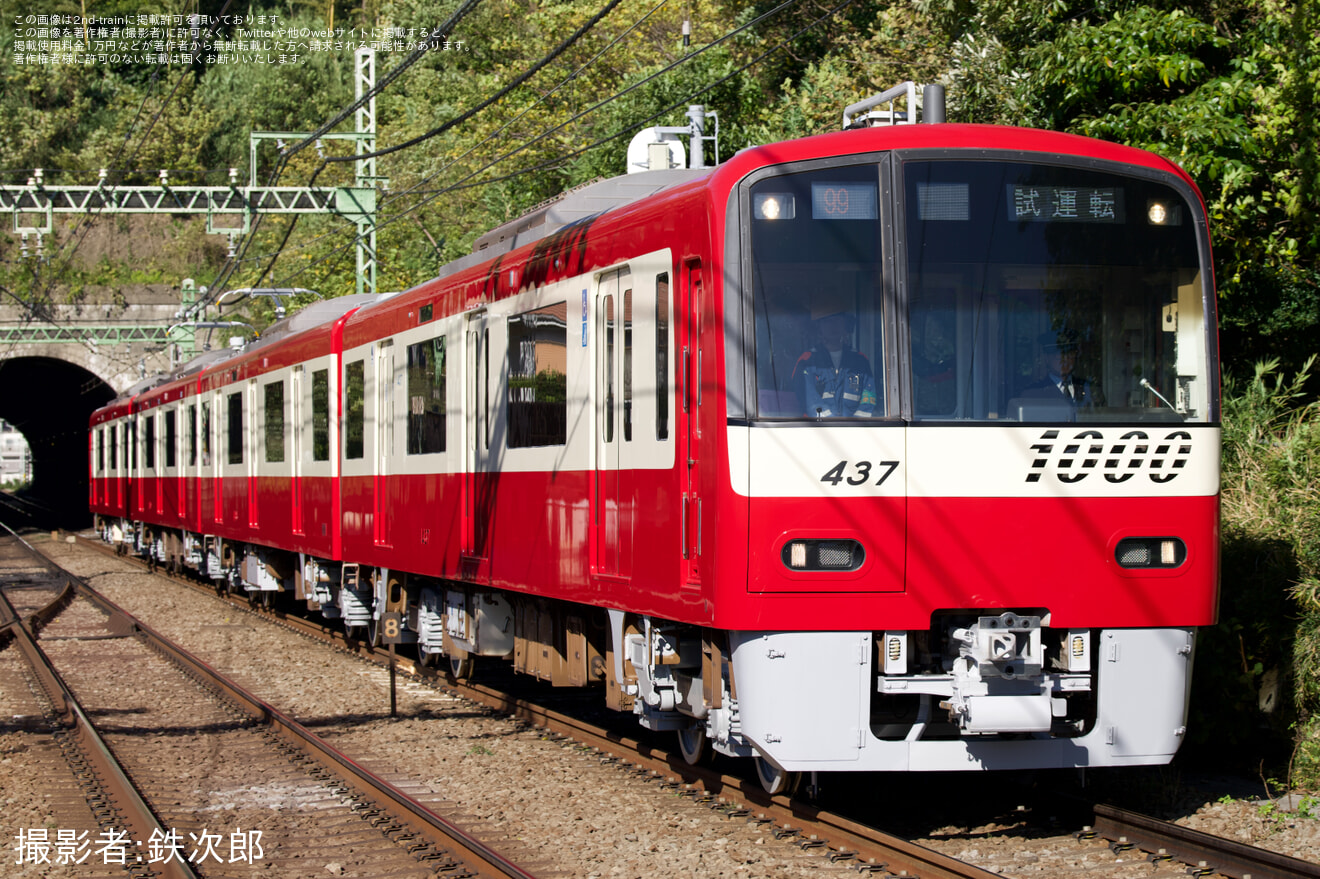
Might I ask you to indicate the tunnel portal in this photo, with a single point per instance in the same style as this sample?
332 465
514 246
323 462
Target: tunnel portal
50 401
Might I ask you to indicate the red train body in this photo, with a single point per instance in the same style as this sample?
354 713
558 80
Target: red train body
618 445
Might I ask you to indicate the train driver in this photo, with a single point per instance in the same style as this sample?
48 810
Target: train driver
833 380
1058 353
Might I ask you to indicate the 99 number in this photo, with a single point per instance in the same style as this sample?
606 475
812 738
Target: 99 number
862 474
836 201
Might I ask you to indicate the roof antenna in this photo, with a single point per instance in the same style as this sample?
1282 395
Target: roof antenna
863 115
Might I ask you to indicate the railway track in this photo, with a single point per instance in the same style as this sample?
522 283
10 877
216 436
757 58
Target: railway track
22 512
798 822
1204 854
192 775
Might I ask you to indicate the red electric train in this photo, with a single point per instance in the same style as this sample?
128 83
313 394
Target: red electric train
889 449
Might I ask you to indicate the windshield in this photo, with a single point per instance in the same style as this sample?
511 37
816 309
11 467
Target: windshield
1050 293
816 281
1034 293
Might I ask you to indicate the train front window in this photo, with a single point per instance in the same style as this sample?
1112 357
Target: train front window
1045 293
815 270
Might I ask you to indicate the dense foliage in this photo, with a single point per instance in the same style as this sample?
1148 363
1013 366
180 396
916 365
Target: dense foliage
1258 671
1225 87
1228 88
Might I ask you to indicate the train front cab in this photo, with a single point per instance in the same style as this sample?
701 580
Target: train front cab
973 570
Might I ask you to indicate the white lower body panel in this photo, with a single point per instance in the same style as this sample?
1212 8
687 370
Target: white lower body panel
805 699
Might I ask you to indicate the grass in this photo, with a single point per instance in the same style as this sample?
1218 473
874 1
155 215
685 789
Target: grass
1258 670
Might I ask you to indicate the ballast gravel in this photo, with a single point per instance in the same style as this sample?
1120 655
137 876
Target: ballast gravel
556 807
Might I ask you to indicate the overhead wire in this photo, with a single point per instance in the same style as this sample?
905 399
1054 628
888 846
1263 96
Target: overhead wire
631 88
231 265
85 221
541 99
84 225
416 55
518 80
564 45
725 38
464 184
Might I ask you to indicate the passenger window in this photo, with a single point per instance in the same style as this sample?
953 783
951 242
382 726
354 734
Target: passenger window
171 438
426 397
321 415
607 415
627 360
236 428
662 356
275 422
538 380
206 434
149 443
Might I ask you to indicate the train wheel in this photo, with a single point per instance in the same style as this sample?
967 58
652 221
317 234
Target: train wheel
461 667
694 745
427 658
373 633
776 780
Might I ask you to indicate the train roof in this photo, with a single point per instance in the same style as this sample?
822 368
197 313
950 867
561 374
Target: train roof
313 315
579 204
954 137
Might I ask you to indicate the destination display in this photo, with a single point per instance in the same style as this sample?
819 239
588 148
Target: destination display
1065 204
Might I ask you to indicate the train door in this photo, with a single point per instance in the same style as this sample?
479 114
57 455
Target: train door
114 488
252 452
174 459
190 487
211 454
384 441
122 499
610 405
94 441
296 461
692 364
154 463
476 444
136 493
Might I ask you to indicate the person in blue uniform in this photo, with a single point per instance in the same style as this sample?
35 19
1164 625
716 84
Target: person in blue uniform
832 379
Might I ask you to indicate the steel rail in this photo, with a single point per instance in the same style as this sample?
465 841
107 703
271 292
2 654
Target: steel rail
849 840
131 812
484 860
808 826
1202 851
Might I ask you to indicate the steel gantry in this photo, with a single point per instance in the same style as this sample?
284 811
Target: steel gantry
229 210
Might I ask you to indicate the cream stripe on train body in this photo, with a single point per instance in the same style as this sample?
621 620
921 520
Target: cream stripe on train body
1074 460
